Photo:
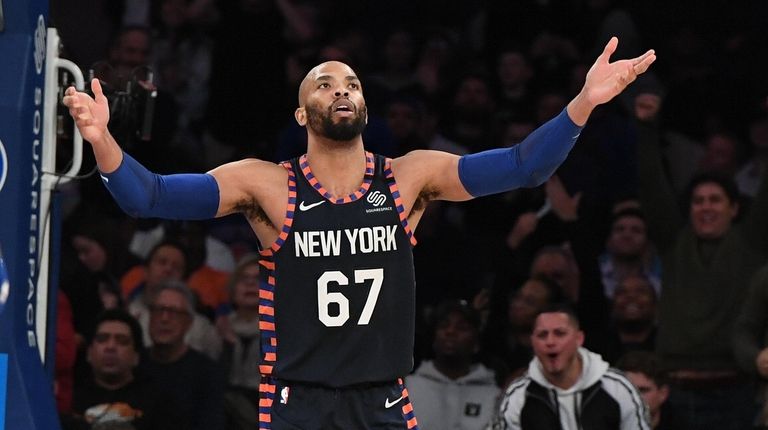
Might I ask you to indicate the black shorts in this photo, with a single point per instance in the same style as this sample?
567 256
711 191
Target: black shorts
285 405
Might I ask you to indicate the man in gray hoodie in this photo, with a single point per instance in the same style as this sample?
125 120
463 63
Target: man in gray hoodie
568 387
452 391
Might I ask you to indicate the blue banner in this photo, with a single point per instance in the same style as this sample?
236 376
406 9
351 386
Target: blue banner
3 387
27 401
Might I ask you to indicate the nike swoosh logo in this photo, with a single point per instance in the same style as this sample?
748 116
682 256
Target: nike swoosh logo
304 207
388 404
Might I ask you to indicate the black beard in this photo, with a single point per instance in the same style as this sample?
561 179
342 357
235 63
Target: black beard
345 130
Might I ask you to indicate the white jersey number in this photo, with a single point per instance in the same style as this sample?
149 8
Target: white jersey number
324 298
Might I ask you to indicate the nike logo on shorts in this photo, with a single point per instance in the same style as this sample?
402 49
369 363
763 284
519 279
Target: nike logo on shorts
388 404
305 207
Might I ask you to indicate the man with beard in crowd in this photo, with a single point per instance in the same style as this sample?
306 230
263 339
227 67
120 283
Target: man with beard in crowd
114 396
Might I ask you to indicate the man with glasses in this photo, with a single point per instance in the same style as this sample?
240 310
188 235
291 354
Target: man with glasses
167 262
194 381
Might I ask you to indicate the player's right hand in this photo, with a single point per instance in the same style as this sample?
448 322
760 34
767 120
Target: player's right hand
91 114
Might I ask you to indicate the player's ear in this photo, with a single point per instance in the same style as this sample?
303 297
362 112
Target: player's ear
301 116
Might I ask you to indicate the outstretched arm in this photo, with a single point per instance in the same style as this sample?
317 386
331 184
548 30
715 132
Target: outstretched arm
91 115
535 159
138 191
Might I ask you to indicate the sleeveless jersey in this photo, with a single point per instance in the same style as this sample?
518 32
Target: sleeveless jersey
337 291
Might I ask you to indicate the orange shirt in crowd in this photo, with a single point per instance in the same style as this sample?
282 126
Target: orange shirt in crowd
209 284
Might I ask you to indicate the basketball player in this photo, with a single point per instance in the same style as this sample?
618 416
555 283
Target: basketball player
337 300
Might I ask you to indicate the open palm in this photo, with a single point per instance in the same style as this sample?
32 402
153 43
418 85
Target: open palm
91 114
605 80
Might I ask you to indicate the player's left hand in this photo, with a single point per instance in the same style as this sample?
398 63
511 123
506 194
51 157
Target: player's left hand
605 80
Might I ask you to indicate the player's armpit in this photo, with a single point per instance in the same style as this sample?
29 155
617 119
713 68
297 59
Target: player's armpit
432 173
250 184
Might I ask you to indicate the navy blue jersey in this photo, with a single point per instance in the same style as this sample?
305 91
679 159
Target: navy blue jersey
337 291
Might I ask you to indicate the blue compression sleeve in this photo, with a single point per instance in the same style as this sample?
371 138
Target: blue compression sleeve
141 193
528 164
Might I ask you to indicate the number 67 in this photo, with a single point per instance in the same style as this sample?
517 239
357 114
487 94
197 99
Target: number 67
324 298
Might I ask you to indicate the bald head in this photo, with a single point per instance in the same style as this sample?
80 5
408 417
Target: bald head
319 72
331 104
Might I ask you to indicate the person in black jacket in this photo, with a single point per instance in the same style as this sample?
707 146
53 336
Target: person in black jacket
193 381
644 369
568 387
115 396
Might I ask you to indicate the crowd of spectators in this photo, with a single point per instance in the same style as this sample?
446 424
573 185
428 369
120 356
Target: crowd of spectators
652 229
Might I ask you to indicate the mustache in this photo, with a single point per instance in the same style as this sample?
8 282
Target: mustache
322 122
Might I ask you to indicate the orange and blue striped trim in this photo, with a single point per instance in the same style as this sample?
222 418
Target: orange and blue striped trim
267 329
267 389
410 417
312 179
289 211
398 200
267 317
